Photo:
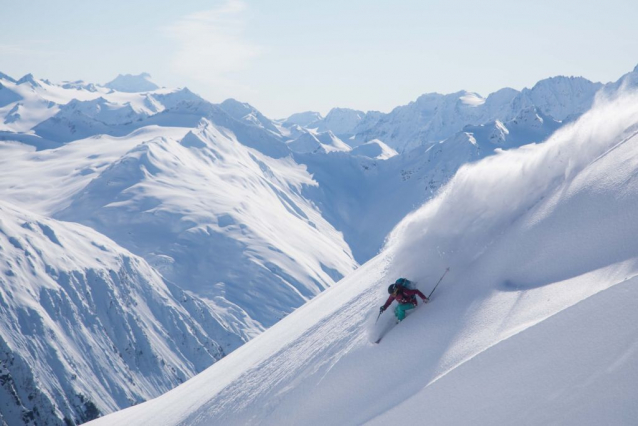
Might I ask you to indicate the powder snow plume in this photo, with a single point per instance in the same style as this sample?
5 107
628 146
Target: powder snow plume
484 199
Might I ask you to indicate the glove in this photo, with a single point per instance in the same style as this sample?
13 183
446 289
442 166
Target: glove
425 299
381 309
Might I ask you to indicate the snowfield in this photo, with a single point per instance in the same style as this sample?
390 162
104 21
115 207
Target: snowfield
535 323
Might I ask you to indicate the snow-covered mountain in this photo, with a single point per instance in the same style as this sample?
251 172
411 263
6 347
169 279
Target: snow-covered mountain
534 324
132 83
559 97
71 111
245 112
87 327
367 191
303 119
249 243
247 216
208 213
530 125
375 149
80 119
317 142
434 117
341 121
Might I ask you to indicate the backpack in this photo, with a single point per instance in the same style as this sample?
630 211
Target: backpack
404 282
407 284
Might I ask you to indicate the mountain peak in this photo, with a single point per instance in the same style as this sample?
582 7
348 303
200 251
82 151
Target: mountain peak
3 76
28 79
303 118
237 109
132 83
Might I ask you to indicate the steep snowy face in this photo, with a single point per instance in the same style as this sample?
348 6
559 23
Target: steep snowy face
7 96
499 103
245 112
559 97
3 76
317 142
432 117
627 82
375 149
341 121
220 219
22 106
87 327
538 305
80 119
370 119
132 83
166 99
529 126
304 119
332 142
29 80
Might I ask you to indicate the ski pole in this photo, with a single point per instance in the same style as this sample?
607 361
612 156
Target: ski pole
380 312
441 279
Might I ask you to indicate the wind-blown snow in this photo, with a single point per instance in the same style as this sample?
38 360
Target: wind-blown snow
534 324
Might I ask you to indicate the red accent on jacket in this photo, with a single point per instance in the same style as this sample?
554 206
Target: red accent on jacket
404 295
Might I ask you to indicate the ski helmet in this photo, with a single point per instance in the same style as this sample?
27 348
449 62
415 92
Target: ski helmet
392 288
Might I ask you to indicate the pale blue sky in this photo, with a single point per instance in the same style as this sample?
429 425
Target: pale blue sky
287 56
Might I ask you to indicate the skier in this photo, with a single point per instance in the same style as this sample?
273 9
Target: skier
406 297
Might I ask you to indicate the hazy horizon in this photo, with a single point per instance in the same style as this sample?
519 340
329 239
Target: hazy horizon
283 57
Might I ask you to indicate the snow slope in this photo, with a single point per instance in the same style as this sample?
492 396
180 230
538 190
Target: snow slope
245 112
87 327
314 142
559 97
214 216
375 149
535 324
208 214
304 119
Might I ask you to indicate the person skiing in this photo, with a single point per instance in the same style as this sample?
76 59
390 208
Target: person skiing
406 297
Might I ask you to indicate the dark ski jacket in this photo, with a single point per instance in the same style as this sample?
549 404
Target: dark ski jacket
404 295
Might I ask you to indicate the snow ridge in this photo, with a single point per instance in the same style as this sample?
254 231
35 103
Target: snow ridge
96 330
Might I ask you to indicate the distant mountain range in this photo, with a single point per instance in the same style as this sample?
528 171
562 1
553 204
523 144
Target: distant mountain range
209 222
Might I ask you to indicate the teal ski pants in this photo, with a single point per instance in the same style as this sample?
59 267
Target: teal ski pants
399 311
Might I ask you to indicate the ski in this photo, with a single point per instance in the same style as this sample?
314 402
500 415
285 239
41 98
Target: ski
387 330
